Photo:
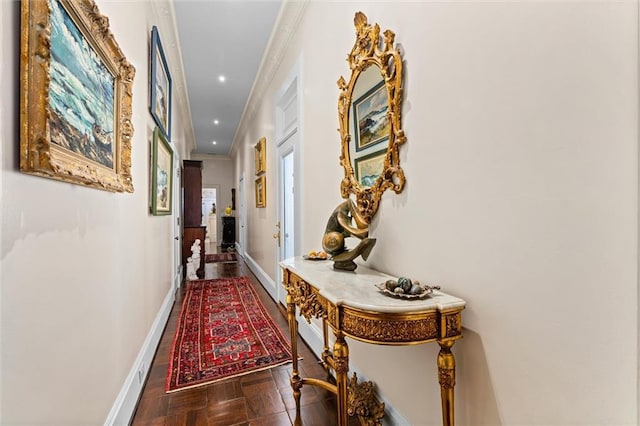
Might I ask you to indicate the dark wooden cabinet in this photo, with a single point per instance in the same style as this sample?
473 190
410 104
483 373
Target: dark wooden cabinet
192 214
228 232
192 178
192 233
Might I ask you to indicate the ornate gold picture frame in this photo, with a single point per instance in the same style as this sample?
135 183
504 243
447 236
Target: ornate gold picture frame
75 96
261 156
261 192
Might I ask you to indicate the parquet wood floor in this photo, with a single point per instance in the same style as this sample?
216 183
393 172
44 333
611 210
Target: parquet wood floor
263 398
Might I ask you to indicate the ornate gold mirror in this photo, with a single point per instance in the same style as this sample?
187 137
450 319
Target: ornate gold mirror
370 133
369 113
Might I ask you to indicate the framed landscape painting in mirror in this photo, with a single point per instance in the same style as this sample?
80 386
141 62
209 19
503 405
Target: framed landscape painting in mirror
369 167
161 175
160 90
371 119
75 96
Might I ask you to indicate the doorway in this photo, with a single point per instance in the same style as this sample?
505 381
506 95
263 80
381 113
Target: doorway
210 218
177 220
288 162
286 197
242 217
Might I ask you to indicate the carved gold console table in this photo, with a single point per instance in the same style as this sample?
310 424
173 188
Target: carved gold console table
353 307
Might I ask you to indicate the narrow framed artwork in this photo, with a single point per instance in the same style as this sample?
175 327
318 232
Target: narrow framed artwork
233 198
160 89
371 119
161 175
75 96
369 167
261 156
261 192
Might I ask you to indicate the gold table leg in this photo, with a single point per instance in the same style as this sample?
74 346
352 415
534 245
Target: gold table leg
296 381
447 380
341 358
326 353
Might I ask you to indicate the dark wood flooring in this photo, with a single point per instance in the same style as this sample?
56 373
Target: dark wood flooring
261 398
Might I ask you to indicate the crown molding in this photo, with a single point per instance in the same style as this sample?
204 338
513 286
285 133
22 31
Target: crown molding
165 17
289 18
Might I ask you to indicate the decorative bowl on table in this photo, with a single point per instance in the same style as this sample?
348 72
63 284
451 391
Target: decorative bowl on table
316 255
405 288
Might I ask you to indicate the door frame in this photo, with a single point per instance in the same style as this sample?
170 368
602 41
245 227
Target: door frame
242 217
176 218
218 215
286 148
288 131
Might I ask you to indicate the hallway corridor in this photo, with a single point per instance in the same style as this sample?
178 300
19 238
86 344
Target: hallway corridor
261 398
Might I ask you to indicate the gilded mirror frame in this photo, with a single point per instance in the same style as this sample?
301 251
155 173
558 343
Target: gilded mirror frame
371 48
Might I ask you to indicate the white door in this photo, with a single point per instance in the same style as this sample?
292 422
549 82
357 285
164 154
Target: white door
243 217
286 207
288 193
177 221
288 158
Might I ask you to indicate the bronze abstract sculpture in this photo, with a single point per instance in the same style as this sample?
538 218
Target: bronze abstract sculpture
340 226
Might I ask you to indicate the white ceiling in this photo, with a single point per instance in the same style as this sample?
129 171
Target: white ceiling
221 38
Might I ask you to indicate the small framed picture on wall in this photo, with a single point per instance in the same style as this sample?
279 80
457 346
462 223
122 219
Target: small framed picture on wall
261 192
160 86
161 175
261 156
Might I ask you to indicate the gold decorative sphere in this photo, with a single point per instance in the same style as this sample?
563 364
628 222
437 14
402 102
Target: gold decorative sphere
333 242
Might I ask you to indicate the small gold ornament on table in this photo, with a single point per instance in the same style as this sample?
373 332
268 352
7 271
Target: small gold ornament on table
316 255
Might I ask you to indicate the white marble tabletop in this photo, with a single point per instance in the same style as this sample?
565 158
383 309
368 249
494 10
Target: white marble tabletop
357 289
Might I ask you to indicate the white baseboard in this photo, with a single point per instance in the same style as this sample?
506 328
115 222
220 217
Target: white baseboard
312 335
125 403
266 281
392 417
177 280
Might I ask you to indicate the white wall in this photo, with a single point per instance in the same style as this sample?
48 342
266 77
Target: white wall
521 198
83 272
260 222
218 170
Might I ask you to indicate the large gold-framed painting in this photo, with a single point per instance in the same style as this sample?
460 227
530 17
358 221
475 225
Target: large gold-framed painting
75 97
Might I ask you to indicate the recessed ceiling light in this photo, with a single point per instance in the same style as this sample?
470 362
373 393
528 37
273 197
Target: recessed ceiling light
222 78
216 122
214 142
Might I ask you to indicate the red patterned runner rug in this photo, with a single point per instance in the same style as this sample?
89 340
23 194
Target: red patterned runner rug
223 331
220 257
